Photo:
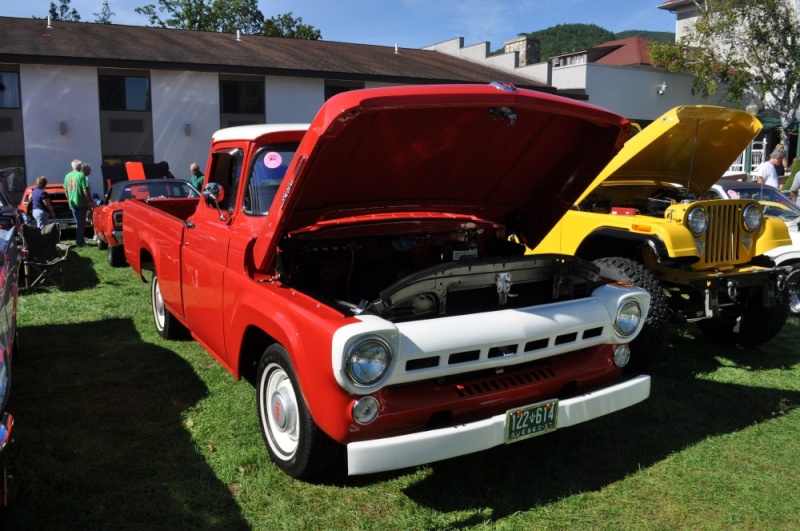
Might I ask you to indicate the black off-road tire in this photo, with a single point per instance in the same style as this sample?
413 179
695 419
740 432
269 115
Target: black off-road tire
294 441
652 339
101 245
116 256
757 325
167 325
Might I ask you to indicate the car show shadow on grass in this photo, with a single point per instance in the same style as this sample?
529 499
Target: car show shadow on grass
99 438
681 411
690 353
78 274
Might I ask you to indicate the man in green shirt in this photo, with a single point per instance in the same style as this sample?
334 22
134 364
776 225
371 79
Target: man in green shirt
197 177
76 184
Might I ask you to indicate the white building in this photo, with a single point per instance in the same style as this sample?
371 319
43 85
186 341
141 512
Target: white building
106 93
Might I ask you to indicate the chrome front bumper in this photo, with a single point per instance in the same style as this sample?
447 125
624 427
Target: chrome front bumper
392 453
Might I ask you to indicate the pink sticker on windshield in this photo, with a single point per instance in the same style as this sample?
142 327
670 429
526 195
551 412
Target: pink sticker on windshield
272 160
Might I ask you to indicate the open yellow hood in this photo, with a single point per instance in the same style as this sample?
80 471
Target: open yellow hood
689 145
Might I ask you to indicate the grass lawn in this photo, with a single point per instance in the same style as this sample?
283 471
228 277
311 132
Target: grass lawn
118 429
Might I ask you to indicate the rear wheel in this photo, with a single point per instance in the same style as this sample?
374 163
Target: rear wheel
101 245
167 325
294 441
653 337
116 256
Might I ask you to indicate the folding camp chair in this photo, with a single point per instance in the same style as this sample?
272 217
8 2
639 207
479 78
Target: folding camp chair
43 255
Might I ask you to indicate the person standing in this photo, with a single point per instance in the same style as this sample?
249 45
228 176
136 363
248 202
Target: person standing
79 198
41 206
197 177
766 172
783 168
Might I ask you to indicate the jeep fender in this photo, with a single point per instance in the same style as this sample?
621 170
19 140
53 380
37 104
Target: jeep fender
608 241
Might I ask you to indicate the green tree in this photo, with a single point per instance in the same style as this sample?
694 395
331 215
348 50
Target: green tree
749 49
287 26
225 16
105 14
63 12
565 38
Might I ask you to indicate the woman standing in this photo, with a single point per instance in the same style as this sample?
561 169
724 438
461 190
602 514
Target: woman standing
40 203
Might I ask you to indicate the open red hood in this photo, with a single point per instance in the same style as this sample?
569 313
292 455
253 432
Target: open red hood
515 157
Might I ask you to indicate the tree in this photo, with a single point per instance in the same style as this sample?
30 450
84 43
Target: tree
206 15
287 26
242 15
565 38
63 12
225 16
748 48
105 14
181 14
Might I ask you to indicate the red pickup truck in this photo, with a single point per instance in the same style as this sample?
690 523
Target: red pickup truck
367 272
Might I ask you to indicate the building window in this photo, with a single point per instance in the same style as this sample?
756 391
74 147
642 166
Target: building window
9 90
241 97
124 93
335 86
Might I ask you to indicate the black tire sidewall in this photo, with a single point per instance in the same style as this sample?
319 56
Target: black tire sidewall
652 339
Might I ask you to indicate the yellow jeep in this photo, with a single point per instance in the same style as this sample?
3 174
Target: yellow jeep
701 260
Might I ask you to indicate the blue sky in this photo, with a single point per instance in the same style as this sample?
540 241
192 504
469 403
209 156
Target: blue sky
413 23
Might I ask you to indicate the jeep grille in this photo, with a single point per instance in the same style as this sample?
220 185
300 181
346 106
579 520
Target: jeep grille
724 232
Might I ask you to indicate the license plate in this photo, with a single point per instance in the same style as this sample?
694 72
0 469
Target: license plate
530 421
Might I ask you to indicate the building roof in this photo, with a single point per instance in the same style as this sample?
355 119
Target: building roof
623 52
671 4
30 41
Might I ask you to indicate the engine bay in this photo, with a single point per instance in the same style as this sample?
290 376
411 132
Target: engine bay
649 199
403 274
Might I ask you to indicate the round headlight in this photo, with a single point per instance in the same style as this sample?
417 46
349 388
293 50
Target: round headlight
628 318
622 355
751 217
367 361
698 221
365 410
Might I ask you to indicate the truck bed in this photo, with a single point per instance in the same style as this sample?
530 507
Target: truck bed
153 228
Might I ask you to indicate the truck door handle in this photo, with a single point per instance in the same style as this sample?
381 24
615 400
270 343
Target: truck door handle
189 224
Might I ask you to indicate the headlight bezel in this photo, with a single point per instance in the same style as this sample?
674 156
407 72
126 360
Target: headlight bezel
358 346
747 213
697 221
622 327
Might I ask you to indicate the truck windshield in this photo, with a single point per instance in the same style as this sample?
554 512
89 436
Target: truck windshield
265 176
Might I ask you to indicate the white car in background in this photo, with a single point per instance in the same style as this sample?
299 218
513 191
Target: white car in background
775 204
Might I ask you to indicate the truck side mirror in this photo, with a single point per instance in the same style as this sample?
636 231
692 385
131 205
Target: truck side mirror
213 193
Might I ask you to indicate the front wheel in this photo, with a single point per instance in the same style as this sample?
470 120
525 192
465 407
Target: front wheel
167 325
294 441
652 339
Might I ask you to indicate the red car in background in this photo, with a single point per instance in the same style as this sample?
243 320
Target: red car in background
58 197
107 217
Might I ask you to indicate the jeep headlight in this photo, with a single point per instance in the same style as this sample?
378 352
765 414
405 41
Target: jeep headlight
698 220
629 315
367 361
751 217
